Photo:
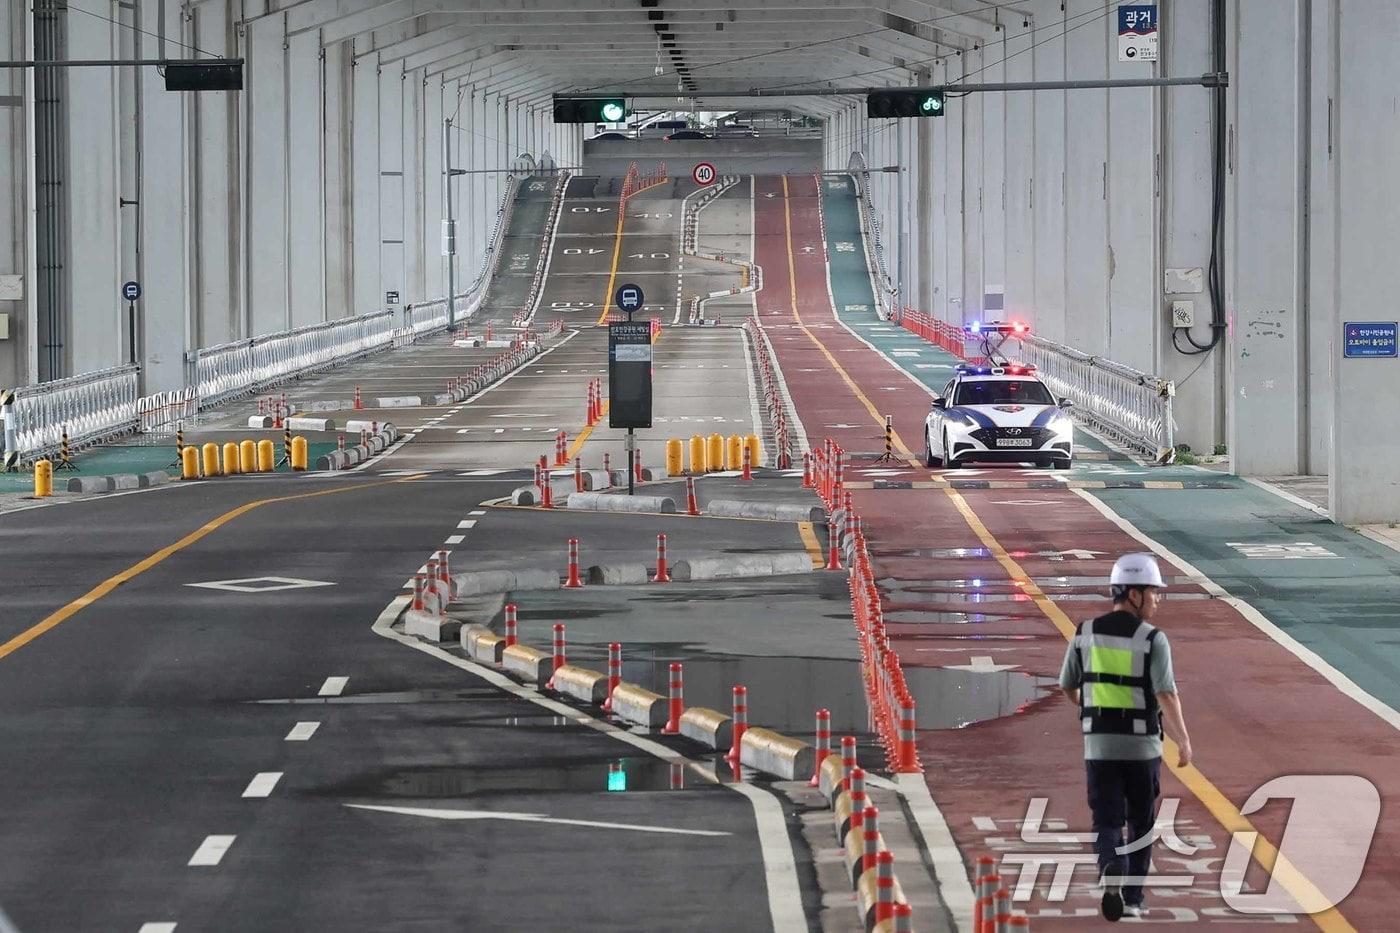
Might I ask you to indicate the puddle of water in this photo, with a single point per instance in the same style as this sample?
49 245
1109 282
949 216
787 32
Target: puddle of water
928 616
600 775
784 693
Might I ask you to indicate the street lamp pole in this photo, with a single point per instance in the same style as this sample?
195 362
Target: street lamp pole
451 233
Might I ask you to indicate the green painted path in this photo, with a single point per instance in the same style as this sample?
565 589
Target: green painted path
129 457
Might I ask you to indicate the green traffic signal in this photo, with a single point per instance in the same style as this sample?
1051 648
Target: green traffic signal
931 104
589 110
613 111
897 103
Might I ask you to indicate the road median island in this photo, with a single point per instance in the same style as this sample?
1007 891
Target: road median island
605 502
746 565
770 511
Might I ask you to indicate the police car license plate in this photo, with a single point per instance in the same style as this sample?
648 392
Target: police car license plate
1013 442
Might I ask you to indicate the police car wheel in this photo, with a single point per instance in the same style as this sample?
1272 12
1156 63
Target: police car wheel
929 459
948 460
1063 464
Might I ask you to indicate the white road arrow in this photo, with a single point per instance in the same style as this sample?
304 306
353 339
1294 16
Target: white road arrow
436 814
982 665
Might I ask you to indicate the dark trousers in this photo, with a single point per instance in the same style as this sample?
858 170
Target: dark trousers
1124 792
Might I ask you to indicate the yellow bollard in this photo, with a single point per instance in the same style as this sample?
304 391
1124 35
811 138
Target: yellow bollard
714 454
247 457
298 453
755 449
211 459
43 479
697 454
189 462
736 452
267 456
675 457
230 458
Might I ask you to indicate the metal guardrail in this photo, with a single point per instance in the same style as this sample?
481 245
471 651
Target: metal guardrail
884 286
243 366
1131 406
89 407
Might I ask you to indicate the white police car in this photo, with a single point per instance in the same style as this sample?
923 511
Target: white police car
999 414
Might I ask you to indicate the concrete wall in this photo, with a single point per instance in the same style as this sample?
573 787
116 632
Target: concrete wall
303 198
744 156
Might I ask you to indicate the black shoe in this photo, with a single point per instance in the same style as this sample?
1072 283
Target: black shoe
1112 903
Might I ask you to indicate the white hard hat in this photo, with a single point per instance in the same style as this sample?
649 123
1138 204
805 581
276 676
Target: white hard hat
1136 570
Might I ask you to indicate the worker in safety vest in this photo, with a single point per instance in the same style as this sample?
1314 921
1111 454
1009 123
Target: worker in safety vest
1118 672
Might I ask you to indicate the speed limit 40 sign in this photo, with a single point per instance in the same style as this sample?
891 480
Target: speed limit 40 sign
703 173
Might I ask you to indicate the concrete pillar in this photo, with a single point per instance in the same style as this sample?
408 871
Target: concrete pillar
1086 185
265 197
365 186
214 207
306 272
1047 189
391 187
946 192
16 257
1365 472
166 253
338 192
413 139
1134 319
1186 225
1267 201
435 98
93 329
993 188
1322 317
927 174
1018 141
955 207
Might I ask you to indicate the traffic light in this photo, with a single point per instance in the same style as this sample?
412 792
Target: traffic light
908 102
592 110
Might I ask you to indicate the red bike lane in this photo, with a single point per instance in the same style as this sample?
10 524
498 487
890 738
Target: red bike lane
1004 573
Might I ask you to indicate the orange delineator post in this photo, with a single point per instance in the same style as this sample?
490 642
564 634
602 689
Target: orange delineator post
741 720
823 744
578 474
691 507
614 672
907 754
833 556
747 475
663 575
807 470
512 625
676 699
559 658
573 582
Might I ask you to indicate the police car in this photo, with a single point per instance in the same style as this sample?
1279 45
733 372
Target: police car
998 412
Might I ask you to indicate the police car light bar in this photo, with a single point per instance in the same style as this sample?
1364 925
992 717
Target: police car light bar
1013 369
997 327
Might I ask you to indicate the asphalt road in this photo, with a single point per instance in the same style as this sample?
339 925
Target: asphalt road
134 728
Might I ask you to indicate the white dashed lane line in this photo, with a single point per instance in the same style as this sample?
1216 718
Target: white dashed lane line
454 539
467 522
211 851
157 928
333 686
477 512
302 731
262 783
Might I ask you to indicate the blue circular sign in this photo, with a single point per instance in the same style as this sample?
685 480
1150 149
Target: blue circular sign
131 290
629 297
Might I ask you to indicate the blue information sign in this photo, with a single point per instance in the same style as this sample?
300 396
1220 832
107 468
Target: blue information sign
1371 338
629 297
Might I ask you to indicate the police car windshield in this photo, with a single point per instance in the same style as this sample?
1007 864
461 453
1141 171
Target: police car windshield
1003 392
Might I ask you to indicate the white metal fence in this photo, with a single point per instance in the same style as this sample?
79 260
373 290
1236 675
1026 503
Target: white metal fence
887 297
89 407
240 367
1131 406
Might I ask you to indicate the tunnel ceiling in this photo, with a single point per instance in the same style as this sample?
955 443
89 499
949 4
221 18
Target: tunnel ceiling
530 49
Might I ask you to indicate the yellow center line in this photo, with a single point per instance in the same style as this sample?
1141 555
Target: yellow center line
111 583
583 435
808 534
617 252
1304 892
845 377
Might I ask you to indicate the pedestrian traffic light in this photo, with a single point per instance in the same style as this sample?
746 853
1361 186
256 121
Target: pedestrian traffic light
590 110
906 102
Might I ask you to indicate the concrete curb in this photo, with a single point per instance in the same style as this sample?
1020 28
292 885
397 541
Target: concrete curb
399 401
531 664
480 582
638 705
775 753
618 575
482 644
259 421
771 511
581 683
829 778
154 478
90 484
749 565
431 626
709 727
310 424
595 480
606 502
